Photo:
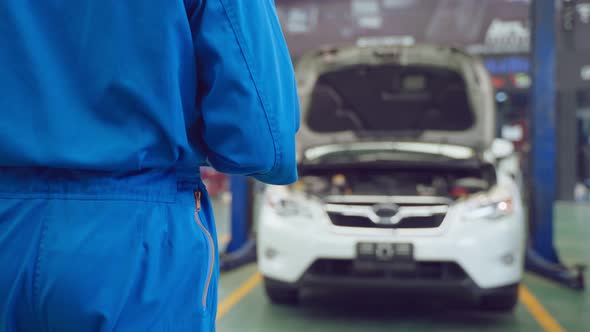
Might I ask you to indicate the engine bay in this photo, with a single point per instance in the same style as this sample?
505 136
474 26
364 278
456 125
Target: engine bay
450 183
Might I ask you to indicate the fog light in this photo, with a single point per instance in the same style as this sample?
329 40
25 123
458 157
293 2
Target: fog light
508 259
270 253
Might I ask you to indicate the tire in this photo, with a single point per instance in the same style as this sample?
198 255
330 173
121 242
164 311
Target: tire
503 300
281 293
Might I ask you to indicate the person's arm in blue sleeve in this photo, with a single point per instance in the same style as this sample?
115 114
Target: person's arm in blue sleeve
247 90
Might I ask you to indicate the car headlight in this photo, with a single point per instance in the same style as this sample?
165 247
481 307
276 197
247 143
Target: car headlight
492 205
287 201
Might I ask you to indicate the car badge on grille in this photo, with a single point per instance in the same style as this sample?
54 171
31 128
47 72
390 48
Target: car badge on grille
386 212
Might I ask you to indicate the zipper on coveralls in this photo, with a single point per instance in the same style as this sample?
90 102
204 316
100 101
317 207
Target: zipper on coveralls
210 244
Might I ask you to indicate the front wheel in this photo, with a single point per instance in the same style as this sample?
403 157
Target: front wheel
503 300
281 293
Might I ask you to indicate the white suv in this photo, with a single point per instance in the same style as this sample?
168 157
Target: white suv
402 183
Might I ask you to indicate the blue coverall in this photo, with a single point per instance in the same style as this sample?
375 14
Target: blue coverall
107 110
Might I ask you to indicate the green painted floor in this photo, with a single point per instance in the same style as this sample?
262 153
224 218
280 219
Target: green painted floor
253 312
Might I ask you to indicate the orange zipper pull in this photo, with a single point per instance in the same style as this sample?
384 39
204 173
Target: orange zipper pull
198 200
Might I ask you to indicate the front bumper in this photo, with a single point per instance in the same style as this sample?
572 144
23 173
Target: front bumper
463 289
489 252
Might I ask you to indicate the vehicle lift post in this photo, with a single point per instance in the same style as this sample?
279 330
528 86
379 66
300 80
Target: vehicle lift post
542 258
241 249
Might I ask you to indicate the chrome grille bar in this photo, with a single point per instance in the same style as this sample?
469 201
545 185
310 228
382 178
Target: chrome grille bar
400 200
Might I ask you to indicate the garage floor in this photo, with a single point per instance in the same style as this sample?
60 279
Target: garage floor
544 306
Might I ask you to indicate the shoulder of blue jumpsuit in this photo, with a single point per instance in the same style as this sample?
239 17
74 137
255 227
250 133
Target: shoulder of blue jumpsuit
246 88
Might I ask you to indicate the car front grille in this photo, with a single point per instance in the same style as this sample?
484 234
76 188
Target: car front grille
404 212
435 271
433 221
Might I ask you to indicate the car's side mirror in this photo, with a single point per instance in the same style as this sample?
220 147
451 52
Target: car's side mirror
502 148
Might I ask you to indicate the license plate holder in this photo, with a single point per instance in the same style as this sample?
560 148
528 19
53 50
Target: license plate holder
397 257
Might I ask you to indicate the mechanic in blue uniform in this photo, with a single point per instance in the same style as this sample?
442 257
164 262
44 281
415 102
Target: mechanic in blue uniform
107 110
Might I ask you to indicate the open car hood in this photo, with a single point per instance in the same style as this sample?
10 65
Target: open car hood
420 93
